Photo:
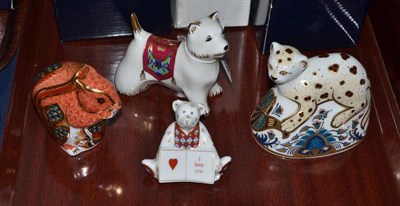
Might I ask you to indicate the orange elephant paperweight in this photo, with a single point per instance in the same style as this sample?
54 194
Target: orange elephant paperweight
73 101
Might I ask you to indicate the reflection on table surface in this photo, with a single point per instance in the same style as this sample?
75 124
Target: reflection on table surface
34 171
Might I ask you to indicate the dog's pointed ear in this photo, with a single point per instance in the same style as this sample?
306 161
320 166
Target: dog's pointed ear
214 16
192 27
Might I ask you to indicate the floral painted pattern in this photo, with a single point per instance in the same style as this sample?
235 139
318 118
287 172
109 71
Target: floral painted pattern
316 138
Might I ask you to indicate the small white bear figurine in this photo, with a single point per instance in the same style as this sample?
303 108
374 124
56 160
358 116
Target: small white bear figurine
319 106
187 152
190 66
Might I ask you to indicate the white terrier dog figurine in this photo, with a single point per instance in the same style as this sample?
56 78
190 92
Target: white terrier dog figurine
190 66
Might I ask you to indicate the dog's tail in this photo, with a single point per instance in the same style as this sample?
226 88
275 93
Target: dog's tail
135 24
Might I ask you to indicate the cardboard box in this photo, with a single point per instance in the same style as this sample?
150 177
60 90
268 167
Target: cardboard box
259 11
232 12
315 24
91 19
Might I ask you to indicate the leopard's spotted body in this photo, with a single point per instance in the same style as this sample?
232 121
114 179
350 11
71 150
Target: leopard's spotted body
309 82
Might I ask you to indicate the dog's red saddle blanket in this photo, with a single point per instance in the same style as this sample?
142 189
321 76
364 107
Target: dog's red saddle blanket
159 57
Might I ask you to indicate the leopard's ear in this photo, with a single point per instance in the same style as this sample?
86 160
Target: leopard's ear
302 61
304 64
274 46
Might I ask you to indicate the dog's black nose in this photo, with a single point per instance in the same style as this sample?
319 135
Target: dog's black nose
226 47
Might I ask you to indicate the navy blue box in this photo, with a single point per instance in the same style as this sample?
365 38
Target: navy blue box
315 24
91 19
6 4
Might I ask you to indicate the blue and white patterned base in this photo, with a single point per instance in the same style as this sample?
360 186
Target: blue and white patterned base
314 138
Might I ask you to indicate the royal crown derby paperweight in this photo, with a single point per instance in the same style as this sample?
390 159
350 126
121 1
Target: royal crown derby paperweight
319 106
73 100
189 66
187 152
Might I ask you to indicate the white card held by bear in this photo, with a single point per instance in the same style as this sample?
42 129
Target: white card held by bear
319 106
189 66
187 152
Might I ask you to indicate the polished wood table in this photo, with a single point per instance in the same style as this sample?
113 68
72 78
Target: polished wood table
385 21
11 25
34 171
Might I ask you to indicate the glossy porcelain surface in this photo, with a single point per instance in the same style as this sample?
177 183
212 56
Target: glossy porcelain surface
35 173
187 152
189 66
73 101
319 106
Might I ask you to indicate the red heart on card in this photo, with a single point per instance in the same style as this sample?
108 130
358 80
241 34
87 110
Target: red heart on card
173 163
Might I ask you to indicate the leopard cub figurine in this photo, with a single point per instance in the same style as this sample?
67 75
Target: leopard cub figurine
312 81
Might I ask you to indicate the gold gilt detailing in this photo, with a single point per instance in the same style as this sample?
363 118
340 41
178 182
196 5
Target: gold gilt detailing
48 89
365 119
265 111
334 68
272 122
339 113
268 109
142 76
86 88
313 111
295 113
347 108
159 48
305 83
70 86
135 23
